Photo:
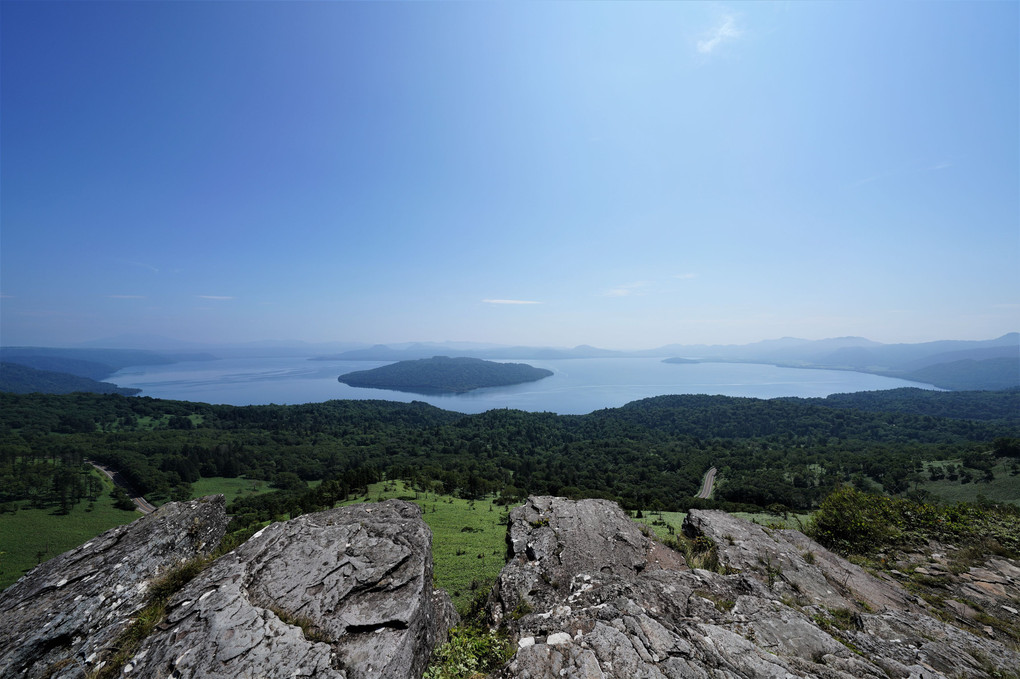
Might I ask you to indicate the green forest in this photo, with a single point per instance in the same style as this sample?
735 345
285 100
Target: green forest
276 462
22 379
648 454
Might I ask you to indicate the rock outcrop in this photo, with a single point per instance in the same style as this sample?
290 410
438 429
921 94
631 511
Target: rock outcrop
58 619
342 594
347 594
794 566
979 592
586 595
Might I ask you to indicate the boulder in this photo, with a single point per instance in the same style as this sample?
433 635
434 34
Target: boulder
58 619
344 594
551 539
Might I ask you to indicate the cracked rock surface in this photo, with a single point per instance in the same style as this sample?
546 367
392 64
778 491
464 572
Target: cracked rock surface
56 620
585 595
344 594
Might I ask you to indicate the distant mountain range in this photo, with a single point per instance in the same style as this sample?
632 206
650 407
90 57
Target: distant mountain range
950 364
383 352
846 352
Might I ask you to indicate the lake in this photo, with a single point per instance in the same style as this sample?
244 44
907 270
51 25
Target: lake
577 386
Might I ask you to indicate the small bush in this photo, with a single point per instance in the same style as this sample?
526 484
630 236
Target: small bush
470 652
852 521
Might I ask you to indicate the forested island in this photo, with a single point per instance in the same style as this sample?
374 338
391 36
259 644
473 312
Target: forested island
444 375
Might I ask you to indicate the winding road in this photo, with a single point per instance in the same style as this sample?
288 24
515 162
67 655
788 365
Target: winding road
143 505
706 484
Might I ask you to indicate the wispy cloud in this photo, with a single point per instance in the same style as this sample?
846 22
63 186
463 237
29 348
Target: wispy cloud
218 298
724 32
941 166
510 301
126 296
626 290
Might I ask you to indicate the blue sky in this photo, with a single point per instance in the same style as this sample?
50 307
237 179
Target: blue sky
625 175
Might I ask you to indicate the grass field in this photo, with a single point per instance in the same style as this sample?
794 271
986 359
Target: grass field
1005 487
231 489
30 536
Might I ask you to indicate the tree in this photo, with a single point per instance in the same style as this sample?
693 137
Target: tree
121 500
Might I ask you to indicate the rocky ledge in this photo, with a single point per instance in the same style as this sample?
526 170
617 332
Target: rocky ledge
61 617
347 594
585 594
343 594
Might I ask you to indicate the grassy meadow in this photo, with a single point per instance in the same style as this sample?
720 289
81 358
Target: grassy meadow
30 536
1005 487
231 489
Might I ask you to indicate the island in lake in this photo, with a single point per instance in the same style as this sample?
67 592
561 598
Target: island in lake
444 375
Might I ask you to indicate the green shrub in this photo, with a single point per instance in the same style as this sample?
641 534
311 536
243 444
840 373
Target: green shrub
852 521
470 652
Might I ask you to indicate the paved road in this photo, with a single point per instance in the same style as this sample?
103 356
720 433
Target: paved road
143 505
706 485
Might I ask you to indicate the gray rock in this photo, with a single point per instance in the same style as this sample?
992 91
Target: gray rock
59 617
578 613
552 539
345 593
793 565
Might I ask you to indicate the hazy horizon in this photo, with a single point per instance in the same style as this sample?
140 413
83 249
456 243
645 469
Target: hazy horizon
623 175
156 343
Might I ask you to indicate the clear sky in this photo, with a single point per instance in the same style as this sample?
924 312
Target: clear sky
625 175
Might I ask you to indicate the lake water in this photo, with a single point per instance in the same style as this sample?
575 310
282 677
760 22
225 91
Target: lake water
577 386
